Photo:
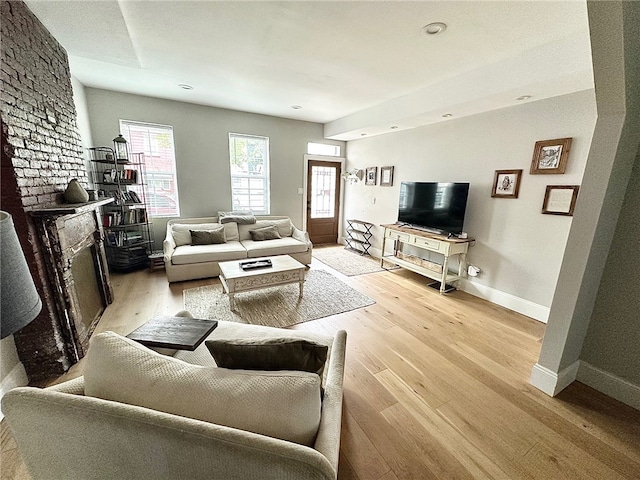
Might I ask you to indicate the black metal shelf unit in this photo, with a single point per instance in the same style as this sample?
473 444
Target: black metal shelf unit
359 236
127 231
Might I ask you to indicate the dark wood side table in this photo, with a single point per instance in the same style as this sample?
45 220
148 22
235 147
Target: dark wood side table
181 333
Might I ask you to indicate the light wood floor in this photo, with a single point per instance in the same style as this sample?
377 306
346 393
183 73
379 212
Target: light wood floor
435 388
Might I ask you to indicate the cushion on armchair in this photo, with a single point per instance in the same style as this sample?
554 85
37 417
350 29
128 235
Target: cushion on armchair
284 404
269 354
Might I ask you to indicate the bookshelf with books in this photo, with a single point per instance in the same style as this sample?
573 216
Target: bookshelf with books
125 222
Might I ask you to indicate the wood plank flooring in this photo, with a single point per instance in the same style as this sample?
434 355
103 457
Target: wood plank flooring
436 387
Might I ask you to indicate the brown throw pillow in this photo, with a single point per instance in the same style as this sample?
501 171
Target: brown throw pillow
265 233
269 354
207 237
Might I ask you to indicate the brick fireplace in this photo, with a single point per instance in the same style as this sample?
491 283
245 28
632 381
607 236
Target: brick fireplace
41 152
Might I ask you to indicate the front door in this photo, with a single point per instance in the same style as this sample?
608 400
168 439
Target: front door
323 201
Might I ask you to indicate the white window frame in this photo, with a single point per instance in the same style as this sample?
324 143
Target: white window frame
265 173
323 149
125 132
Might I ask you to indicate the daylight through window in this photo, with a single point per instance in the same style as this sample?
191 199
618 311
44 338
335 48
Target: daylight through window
249 157
323 149
156 142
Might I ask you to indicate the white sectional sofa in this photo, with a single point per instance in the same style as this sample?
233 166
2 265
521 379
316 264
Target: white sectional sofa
66 432
184 261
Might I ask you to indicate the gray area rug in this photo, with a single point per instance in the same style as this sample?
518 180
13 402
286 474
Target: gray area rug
324 295
347 262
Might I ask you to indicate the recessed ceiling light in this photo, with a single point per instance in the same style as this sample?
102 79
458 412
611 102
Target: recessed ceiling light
447 115
523 97
394 127
434 28
296 107
186 86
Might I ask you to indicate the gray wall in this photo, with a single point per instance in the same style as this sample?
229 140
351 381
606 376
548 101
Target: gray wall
613 337
518 249
615 29
82 113
202 149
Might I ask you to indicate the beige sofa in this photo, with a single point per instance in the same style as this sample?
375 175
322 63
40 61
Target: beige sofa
62 433
184 261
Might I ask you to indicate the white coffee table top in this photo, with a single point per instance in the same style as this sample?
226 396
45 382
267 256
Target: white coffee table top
279 263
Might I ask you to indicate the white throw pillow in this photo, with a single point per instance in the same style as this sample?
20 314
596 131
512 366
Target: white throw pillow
280 404
182 235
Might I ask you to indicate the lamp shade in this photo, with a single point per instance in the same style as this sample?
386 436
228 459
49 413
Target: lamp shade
20 300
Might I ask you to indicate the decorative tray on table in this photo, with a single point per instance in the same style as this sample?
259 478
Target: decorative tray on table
251 265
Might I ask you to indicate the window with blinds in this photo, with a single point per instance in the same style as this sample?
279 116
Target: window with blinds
156 142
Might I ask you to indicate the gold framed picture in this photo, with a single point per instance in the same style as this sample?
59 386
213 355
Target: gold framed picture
550 156
560 199
506 183
386 176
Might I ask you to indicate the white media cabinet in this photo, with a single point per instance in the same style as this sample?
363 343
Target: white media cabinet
447 247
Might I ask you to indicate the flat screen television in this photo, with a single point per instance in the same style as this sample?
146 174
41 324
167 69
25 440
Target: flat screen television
433 206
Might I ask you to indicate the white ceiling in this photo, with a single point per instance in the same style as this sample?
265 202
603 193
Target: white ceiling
357 67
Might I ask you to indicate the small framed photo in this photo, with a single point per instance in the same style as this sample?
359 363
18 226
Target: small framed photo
506 183
560 199
386 176
550 156
372 176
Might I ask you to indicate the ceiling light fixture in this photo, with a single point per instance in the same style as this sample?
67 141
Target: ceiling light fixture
296 107
523 97
185 86
434 28
447 115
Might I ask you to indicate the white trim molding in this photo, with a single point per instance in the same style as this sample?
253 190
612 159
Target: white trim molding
517 304
551 382
609 384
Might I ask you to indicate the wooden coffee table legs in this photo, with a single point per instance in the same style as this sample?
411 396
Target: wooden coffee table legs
232 292
285 271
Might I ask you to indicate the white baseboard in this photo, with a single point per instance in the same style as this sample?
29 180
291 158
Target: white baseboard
551 382
517 304
609 384
17 377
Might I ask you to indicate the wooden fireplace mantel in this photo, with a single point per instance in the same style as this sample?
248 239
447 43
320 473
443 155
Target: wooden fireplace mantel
64 231
68 208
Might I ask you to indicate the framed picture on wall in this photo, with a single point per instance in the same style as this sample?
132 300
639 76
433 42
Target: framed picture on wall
372 176
560 199
506 183
386 176
550 156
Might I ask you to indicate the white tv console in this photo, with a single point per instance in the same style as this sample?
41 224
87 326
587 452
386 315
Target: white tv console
447 247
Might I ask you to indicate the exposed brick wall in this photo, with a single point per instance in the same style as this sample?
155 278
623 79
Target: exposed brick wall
41 152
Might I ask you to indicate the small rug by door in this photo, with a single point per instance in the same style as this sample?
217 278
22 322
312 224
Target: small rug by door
347 262
324 295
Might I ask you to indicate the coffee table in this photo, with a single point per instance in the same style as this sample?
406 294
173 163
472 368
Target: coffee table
181 333
284 270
